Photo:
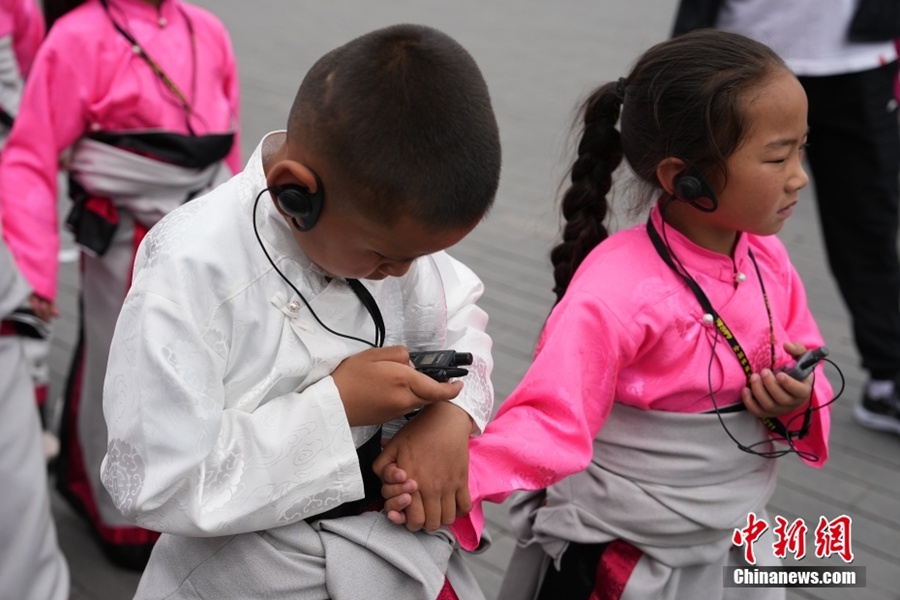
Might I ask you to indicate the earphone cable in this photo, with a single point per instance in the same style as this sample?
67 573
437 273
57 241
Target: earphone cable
293 287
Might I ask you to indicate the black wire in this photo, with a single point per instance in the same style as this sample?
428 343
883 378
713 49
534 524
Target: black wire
836 396
791 449
293 287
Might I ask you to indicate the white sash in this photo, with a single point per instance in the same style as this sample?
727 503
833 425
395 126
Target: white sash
146 188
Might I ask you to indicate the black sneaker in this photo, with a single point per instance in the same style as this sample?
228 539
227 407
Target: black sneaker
880 414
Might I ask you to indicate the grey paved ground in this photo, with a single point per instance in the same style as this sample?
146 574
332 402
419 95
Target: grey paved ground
539 59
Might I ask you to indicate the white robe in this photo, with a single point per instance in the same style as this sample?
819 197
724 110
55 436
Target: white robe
222 414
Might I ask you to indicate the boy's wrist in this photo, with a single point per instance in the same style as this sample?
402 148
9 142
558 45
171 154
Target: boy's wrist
451 415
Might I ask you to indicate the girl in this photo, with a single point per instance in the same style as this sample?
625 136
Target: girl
145 94
655 388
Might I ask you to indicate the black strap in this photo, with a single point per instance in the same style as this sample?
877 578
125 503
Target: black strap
23 322
6 119
369 302
772 424
189 151
368 452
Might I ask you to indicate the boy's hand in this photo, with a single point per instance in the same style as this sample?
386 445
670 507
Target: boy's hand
379 385
774 394
428 459
43 308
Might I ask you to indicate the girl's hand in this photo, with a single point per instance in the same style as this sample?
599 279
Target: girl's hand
397 490
775 394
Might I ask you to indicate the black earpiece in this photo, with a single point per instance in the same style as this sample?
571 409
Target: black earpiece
301 205
693 188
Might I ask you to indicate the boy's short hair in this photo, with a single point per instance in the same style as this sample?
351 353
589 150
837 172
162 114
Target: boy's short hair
403 118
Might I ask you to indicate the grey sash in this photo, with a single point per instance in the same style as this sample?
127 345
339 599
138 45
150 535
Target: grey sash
671 484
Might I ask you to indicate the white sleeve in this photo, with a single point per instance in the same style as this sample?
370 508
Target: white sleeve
184 459
466 324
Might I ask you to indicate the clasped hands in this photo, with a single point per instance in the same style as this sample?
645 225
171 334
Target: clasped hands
424 467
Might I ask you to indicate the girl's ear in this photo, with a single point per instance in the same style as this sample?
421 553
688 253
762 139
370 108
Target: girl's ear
667 171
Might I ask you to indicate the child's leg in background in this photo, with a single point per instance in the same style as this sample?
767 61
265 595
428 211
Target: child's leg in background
36 353
32 566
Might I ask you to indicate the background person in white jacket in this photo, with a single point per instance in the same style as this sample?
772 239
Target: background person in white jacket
843 54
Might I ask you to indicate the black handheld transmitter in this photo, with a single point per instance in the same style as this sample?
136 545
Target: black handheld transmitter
806 363
441 365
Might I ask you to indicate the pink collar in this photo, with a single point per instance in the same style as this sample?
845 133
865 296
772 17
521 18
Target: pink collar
138 9
697 259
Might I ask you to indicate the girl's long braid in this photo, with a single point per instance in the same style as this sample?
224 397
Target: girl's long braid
584 204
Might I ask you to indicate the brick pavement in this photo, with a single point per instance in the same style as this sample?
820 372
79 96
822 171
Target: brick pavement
539 59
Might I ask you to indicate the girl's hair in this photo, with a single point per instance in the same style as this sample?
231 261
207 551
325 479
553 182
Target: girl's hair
684 98
54 9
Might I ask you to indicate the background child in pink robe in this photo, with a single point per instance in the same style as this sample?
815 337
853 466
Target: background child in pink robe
32 566
22 24
21 33
89 82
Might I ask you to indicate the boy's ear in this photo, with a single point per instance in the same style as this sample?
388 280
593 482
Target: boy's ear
290 172
297 192
667 171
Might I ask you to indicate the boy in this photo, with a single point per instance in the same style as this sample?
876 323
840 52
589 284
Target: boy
240 399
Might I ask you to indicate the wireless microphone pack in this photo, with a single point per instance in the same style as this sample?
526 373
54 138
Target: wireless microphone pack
441 365
806 363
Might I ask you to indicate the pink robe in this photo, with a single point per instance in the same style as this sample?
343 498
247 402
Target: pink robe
21 33
84 78
628 330
22 20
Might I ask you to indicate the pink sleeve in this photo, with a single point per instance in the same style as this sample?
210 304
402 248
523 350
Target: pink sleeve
801 328
50 119
28 34
233 93
544 430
